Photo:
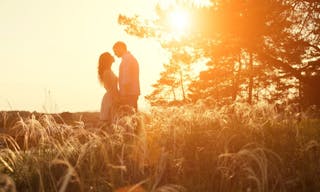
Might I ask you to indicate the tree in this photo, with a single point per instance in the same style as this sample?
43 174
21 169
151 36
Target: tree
175 78
255 46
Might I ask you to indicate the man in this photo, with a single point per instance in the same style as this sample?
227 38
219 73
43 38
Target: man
129 85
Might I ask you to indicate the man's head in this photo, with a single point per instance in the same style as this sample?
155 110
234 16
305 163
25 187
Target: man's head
119 48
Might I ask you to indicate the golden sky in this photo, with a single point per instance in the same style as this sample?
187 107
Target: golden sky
49 52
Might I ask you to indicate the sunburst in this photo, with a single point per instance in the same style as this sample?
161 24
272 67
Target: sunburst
179 20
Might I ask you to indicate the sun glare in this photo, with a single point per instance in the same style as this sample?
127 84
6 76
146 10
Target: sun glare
179 21
202 3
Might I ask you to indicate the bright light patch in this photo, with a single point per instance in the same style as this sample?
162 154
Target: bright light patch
202 3
179 20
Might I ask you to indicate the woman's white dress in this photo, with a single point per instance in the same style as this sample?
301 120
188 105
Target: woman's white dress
111 97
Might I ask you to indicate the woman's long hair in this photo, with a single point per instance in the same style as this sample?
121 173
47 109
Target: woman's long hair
105 62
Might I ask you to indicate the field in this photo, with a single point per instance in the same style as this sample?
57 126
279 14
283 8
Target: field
170 149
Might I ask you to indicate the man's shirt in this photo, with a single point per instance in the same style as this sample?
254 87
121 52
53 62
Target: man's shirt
129 75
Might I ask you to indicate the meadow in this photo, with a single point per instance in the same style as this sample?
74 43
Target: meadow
193 148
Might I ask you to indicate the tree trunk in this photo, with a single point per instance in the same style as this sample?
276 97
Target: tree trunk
174 94
236 83
182 87
250 79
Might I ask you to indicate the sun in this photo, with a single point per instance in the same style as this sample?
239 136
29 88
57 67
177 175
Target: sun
179 20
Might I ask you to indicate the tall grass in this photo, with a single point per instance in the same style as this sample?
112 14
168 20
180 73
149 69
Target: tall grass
191 148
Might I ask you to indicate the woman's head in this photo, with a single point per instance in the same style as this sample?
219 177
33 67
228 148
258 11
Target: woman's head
105 62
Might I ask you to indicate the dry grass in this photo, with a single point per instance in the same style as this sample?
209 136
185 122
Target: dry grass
175 149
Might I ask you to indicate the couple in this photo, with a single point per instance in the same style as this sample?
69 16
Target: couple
128 91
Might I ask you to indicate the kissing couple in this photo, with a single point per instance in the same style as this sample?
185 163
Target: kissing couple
122 91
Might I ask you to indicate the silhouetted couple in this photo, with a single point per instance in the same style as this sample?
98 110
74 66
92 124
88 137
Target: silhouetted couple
124 91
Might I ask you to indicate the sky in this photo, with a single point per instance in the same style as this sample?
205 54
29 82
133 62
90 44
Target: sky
49 52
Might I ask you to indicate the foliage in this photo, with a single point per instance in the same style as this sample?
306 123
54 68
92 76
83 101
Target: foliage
276 43
237 147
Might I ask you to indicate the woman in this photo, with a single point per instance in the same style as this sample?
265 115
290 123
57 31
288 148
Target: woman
110 82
